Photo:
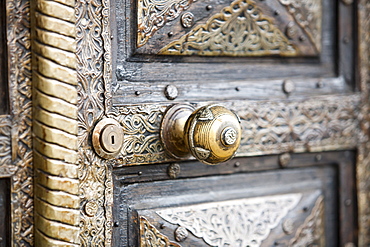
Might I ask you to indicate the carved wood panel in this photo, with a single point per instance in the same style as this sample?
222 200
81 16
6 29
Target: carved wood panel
290 207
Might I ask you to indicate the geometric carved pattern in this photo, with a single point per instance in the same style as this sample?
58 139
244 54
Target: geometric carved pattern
312 231
317 124
55 125
307 14
245 222
238 30
154 14
151 237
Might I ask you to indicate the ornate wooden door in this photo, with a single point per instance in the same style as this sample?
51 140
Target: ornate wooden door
185 123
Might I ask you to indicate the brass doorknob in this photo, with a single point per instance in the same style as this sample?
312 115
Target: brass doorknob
211 133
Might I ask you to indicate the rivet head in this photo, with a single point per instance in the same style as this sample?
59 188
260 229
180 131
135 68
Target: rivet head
173 170
171 92
187 19
288 226
91 208
291 30
181 234
284 159
288 86
348 202
320 84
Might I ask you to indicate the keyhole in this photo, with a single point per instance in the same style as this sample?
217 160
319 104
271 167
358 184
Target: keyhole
112 139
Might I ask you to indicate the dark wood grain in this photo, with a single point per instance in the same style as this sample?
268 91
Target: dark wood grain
142 78
4 101
139 189
5 212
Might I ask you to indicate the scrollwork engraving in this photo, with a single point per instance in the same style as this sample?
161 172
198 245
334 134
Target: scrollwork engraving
245 222
240 29
154 14
150 236
6 169
19 66
268 127
312 231
307 14
93 52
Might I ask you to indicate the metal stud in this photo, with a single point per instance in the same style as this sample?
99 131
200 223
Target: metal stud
181 234
173 170
187 19
171 92
288 86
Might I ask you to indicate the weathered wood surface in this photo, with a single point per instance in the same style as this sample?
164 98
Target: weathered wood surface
5 210
4 101
142 191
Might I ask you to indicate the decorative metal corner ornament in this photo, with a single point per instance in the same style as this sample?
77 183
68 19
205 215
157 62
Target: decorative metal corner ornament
252 219
240 29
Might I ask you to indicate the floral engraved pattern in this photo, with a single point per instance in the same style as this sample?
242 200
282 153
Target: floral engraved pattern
154 14
19 66
307 13
6 169
317 124
245 222
94 93
141 125
151 237
311 232
240 29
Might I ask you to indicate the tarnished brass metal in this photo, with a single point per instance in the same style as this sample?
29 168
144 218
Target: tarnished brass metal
211 134
107 138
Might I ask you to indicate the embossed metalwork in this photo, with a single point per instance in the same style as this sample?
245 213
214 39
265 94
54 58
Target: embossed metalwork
233 223
145 135
308 15
150 236
6 167
312 231
94 90
154 14
19 79
57 206
240 29
187 19
268 127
